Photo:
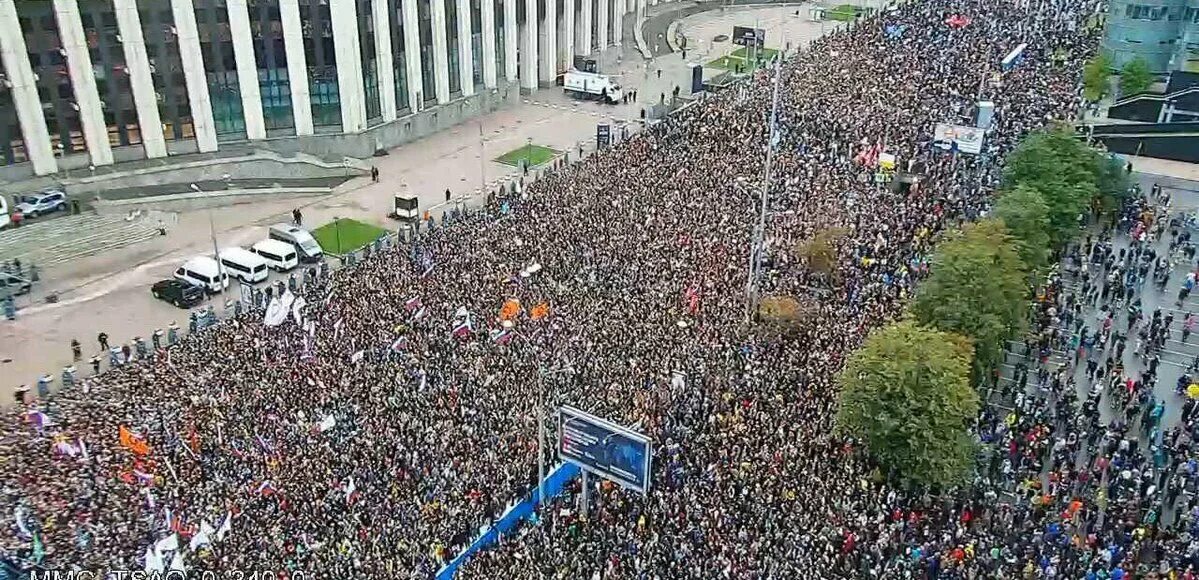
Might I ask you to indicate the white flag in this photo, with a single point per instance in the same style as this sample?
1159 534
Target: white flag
167 544
177 563
327 423
153 561
203 537
225 527
275 313
350 489
295 311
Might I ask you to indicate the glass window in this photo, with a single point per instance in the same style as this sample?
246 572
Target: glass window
370 67
266 28
399 58
451 34
112 77
500 67
322 67
166 70
428 92
476 40
220 67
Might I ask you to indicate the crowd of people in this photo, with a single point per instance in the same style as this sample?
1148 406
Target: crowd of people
373 435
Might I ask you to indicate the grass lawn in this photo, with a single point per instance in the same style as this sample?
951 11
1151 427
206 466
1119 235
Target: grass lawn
843 13
352 234
741 57
535 154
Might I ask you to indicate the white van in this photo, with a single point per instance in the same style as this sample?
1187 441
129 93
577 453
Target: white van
280 256
244 265
306 246
204 272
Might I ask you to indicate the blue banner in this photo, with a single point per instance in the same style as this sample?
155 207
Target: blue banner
554 483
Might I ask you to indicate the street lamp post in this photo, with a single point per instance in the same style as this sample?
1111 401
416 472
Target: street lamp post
756 249
211 227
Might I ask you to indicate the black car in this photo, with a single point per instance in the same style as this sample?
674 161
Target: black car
176 292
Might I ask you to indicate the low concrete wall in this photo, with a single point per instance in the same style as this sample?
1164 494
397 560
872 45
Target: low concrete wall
193 201
332 148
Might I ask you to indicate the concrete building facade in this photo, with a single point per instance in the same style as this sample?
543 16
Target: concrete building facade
1163 32
90 83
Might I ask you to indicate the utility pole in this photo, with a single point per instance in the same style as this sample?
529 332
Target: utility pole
756 249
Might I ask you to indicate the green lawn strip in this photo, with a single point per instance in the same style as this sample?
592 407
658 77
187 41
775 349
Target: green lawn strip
843 13
346 235
726 63
763 53
535 154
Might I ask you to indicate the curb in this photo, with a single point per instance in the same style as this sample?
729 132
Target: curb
191 195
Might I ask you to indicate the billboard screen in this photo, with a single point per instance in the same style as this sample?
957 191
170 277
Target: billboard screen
746 36
965 139
604 448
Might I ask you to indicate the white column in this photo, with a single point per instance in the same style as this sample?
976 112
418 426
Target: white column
549 52
601 24
585 28
621 7
83 81
297 65
416 98
247 68
528 57
510 40
24 91
568 32
487 9
137 66
466 54
441 59
383 57
192 60
343 15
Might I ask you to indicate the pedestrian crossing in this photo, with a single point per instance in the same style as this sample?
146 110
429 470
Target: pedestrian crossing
54 241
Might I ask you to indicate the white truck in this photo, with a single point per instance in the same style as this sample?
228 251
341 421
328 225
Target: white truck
585 85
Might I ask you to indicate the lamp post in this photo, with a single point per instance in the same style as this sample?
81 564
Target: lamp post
542 373
755 251
211 228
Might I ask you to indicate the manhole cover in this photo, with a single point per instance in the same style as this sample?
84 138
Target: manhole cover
720 38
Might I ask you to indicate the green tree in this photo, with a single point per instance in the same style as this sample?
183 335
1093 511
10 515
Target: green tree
1135 77
977 288
1095 75
1024 211
906 395
1064 170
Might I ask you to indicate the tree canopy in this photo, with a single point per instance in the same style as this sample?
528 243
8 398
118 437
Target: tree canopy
820 251
977 288
1095 75
1135 77
1024 211
1069 175
906 395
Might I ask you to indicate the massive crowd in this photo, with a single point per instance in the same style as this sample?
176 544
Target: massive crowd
374 438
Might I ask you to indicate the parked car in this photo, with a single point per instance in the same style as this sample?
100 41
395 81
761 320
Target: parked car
42 203
178 292
14 284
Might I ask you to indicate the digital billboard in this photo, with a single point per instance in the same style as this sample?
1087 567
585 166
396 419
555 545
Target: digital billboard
746 36
604 448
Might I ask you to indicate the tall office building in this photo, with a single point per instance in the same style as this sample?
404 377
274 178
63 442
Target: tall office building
118 80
